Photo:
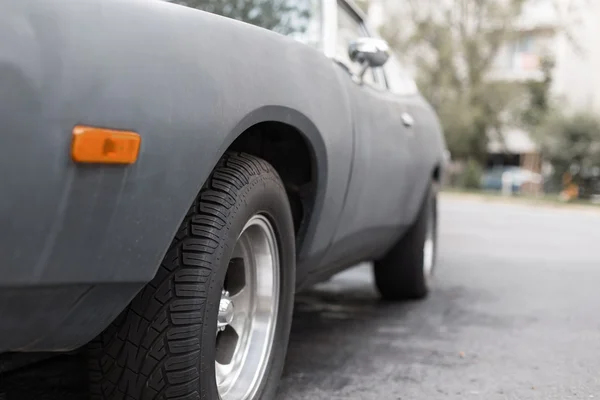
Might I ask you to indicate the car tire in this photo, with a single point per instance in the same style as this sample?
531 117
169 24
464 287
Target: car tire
180 334
405 272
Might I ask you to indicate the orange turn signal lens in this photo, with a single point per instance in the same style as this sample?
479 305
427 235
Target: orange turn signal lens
104 146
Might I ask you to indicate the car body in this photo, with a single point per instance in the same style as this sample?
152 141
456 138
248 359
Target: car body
80 240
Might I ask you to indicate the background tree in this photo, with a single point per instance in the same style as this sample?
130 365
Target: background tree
572 144
539 101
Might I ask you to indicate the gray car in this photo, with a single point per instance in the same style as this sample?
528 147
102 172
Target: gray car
171 177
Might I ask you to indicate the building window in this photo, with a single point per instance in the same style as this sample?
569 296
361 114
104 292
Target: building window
523 53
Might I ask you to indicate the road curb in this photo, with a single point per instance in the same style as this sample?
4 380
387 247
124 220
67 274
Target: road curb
526 202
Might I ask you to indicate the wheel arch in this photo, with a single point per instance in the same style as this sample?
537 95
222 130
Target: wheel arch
257 132
436 174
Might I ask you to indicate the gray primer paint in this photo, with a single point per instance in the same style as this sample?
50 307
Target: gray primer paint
189 82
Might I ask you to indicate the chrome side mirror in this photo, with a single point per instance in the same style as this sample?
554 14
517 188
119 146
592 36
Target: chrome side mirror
369 52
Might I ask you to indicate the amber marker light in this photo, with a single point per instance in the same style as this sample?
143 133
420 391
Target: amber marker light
104 146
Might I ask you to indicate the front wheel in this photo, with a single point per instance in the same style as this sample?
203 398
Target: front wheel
406 271
214 322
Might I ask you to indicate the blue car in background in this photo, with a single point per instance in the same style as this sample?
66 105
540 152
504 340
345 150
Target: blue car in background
517 176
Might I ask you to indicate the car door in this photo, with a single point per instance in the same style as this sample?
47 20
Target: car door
423 135
374 212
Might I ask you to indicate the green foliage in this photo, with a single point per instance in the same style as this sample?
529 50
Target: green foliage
538 93
470 178
571 143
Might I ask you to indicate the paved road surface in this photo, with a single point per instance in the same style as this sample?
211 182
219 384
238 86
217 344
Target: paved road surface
515 315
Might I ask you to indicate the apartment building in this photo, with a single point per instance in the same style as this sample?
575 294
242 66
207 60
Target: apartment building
569 32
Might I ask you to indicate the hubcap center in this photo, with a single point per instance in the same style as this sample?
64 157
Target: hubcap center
226 311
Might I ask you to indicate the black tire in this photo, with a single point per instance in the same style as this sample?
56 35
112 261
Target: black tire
401 274
163 345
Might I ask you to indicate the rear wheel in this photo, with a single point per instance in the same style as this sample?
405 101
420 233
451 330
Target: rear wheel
406 271
214 323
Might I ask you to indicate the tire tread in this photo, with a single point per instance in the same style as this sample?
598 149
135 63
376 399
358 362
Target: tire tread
151 350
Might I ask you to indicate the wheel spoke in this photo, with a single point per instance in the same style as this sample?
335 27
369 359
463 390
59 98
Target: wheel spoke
242 300
221 372
240 322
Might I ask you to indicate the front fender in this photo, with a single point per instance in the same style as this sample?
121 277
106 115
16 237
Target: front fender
177 80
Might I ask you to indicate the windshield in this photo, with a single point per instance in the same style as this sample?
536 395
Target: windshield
300 19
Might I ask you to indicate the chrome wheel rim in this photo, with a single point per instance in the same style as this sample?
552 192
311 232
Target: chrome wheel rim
429 246
248 311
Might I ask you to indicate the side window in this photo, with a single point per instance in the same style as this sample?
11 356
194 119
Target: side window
300 19
398 81
349 28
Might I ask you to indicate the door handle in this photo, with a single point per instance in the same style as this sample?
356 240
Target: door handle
407 119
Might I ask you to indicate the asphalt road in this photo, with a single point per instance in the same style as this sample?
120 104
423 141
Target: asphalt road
515 314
